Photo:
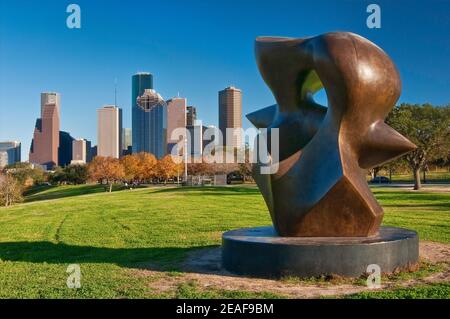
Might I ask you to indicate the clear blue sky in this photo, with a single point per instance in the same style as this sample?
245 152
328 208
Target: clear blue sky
193 47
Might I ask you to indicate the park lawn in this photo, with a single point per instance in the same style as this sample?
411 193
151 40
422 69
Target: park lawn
433 177
45 192
111 234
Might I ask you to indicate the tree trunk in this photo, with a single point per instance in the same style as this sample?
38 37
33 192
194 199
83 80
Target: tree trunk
424 177
417 184
110 187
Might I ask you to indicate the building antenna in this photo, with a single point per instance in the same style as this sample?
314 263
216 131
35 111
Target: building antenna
115 92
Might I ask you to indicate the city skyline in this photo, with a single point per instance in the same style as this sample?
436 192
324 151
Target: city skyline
114 43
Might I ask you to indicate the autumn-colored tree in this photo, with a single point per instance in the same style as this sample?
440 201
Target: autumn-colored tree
146 167
201 168
130 165
10 190
106 169
224 168
179 169
166 168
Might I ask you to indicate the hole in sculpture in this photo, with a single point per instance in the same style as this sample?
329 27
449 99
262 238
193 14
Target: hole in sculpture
320 97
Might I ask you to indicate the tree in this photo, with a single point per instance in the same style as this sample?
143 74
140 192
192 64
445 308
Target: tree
426 126
71 174
26 174
245 169
76 174
10 190
166 168
130 165
106 169
147 166
57 177
200 168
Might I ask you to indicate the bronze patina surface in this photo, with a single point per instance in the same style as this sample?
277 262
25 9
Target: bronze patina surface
320 188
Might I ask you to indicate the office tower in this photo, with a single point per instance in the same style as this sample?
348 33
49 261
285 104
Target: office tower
3 159
9 153
140 127
89 153
230 115
93 152
109 131
50 98
126 138
153 113
81 151
195 139
176 119
191 115
65 149
45 142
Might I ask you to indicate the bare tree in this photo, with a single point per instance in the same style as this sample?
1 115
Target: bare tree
10 190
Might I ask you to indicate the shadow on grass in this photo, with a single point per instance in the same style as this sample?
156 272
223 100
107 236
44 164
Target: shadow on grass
154 258
211 190
56 192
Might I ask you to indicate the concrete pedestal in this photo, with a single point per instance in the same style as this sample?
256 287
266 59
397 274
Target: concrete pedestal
261 252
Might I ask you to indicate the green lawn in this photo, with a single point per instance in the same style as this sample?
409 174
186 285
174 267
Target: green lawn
111 234
434 177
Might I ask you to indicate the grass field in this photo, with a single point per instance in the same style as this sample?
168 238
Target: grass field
431 177
111 234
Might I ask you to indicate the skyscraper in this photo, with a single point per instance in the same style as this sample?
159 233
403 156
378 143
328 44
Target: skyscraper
230 115
65 148
109 131
81 151
191 115
45 143
9 153
153 117
50 98
176 118
127 141
140 82
195 139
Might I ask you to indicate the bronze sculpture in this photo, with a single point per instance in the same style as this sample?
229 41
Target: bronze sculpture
320 189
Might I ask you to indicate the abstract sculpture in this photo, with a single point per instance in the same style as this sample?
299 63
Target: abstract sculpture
320 188
326 220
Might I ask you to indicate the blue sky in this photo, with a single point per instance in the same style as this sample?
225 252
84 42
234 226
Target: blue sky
193 47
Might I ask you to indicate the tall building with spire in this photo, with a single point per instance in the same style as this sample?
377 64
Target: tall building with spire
45 144
230 116
140 126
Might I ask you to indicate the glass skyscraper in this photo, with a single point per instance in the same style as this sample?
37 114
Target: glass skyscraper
9 153
140 82
152 120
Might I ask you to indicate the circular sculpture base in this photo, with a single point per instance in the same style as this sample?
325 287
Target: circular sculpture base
261 252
